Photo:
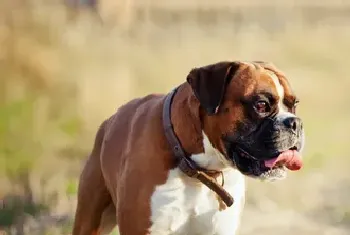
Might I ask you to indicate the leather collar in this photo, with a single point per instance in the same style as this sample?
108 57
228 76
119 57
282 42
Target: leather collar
185 163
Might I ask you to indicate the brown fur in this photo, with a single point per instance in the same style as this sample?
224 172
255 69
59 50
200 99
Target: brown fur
131 156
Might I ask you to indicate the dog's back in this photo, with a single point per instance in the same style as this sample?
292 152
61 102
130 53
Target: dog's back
102 182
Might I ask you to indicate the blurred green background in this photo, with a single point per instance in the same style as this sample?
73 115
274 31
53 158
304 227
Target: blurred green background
67 65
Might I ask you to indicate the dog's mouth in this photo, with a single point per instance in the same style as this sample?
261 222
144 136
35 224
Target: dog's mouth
274 166
290 158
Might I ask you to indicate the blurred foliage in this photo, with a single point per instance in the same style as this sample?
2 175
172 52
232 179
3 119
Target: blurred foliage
38 117
16 137
15 207
63 70
72 188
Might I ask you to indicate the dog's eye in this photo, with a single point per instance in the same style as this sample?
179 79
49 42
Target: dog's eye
262 107
296 103
293 108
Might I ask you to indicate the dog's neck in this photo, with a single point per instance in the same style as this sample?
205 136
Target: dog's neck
185 116
186 121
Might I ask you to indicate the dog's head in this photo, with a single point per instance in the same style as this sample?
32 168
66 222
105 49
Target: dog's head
248 112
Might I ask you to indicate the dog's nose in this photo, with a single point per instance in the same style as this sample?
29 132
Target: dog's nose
293 123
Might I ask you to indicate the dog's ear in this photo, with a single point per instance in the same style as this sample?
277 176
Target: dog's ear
209 84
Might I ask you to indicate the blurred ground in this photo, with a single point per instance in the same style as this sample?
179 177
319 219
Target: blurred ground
63 72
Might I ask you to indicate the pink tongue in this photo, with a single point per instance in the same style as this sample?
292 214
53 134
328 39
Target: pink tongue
290 158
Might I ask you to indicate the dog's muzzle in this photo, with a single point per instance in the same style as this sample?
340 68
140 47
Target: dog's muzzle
272 148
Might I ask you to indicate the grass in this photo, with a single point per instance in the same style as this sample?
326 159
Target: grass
59 79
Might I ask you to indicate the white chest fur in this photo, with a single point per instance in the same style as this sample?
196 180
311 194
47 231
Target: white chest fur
184 206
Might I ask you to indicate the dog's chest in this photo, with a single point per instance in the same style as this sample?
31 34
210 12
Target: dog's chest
183 206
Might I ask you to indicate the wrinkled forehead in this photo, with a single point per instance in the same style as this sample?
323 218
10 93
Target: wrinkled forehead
260 77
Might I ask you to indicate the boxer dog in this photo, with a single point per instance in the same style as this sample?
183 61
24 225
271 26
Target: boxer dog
175 164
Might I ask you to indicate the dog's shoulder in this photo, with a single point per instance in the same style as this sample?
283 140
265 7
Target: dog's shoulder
136 123
137 105
133 110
